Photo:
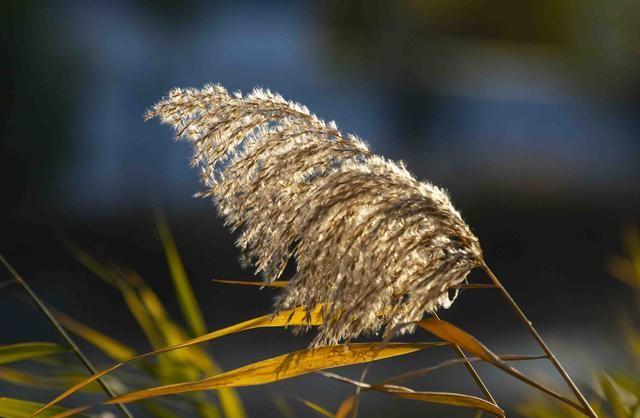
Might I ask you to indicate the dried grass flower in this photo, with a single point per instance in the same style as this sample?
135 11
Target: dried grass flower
372 244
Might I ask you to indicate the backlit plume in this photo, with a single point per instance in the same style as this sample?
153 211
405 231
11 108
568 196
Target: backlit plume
372 244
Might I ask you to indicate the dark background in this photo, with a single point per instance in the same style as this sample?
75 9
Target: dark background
526 111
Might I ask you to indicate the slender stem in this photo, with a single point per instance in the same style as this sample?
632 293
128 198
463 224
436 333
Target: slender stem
540 342
476 286
472 371
74 347
413 374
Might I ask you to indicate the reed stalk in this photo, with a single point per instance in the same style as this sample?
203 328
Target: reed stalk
588 410
472 371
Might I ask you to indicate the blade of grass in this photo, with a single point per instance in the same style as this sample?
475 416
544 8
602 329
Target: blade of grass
112 348
183 365
186 298
445 398
631 240
21 378
143 304
414 374
16 408
192 359
287 366
141 314
278 368
293 317
25 351
91 263
614 396
346 407
43 308
317 408
282 405
115 278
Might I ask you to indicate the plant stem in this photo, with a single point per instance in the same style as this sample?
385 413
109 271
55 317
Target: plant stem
413 374
540 342
472 371
74 347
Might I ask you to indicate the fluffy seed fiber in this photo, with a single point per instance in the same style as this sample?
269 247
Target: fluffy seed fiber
374 245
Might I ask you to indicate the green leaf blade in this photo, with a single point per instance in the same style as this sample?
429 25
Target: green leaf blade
24 351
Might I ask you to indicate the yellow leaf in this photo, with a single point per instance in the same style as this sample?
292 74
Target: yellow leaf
315 407
25 351
278 368
108 345
346 407
184 292
286 366
19 377
16 408
293 317
616 396
455 335
445 398
184 364
146 314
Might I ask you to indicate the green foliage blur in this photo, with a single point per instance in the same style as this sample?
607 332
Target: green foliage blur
49 371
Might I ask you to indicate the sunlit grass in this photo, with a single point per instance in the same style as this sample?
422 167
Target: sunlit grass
183 366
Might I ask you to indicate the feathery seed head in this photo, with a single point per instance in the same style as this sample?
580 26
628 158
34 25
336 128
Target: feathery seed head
374 245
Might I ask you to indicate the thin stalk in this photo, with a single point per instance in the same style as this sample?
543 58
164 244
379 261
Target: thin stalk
413 374
476 286
588 410
74 347
472 371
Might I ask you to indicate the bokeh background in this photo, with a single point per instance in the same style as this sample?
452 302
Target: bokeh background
527 111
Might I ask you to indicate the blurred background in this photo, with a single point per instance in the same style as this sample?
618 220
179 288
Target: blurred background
528 112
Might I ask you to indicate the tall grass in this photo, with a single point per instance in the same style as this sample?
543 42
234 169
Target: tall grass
375 251
207 392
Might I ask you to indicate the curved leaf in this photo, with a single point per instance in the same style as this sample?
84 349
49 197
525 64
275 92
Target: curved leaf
455 335
293 317
346 407
278 368
24 351
16 408
112 348
444 398
317 408
19 377
184 292
285 366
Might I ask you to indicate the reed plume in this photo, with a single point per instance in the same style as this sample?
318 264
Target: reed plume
372 244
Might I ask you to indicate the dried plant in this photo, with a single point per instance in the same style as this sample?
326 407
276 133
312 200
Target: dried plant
374 245
374 249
